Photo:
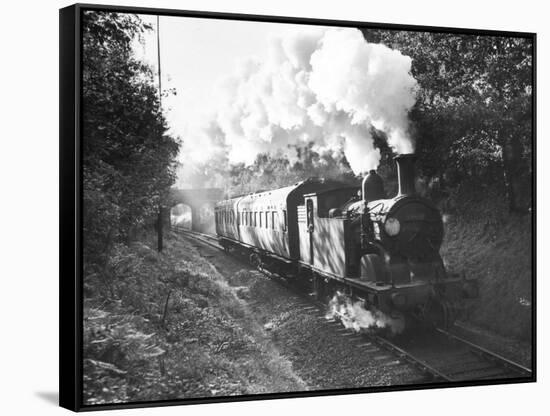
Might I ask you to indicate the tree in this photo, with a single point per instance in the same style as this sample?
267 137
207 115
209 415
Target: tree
129 161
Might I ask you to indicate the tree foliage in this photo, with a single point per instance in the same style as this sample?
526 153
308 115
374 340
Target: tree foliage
473 119
129 161
275 171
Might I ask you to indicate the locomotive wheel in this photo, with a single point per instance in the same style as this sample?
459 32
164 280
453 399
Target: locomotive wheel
318 287
440 314
255 261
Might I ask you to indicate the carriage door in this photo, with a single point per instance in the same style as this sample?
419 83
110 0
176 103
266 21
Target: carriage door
310 227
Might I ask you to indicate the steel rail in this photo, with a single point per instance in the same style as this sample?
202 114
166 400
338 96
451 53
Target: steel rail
498 359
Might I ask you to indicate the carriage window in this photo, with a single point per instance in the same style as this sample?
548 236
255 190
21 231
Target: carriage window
273 220
255 219
284 220
260 219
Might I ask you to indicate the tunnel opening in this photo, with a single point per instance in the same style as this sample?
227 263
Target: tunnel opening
190 217
181 216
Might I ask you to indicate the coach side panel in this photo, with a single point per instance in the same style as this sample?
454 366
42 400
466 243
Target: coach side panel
265 229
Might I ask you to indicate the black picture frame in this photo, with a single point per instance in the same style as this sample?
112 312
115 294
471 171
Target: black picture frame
70 232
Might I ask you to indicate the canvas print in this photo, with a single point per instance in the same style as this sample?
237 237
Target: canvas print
291 208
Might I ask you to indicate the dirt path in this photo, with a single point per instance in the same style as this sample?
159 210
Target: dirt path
234 354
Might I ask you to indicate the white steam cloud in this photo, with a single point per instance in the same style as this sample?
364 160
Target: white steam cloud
353 315
329 86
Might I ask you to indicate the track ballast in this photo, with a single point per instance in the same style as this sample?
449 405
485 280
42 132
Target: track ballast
437 353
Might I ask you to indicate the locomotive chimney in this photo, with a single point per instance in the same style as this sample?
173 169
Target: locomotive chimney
405 174
372 187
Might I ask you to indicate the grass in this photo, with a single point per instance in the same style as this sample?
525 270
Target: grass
485 241
170 326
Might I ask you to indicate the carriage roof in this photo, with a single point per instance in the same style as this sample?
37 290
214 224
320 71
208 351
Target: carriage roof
277 198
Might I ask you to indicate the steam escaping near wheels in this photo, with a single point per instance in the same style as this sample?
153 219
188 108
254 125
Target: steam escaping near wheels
353 315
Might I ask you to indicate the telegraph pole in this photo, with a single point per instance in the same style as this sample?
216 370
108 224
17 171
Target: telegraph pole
160 219
158 63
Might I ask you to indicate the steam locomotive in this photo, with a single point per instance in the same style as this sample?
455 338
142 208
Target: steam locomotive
383 251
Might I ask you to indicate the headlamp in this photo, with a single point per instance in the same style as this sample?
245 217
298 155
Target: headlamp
392 226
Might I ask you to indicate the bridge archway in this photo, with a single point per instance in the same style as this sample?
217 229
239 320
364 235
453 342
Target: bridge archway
201 204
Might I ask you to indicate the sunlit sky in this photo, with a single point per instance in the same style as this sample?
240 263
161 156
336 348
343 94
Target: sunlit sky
196 55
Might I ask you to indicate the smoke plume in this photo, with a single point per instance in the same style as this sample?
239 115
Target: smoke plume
353 315
329 86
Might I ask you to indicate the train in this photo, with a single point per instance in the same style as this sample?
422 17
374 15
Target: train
333 236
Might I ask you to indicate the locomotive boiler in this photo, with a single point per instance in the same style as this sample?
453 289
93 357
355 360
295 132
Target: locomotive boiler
383 251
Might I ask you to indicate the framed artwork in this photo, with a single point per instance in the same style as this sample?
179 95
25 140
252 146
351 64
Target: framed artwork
258 207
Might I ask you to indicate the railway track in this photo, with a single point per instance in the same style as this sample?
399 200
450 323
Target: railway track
438 354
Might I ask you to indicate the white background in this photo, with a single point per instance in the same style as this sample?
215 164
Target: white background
29 206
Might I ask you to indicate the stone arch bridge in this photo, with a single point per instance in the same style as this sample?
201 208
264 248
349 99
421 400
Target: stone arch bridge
196 200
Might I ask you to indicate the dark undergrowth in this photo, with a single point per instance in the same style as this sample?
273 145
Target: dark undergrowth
167 326
484 240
